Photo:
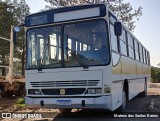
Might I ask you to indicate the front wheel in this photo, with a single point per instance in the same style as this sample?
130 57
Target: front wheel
65 110
122 108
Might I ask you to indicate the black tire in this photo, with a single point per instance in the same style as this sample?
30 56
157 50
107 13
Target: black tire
122 108
144 93
65 110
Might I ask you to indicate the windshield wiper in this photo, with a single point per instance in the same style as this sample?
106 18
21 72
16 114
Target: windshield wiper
41 60
78 60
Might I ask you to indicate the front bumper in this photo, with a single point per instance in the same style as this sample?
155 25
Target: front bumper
103 102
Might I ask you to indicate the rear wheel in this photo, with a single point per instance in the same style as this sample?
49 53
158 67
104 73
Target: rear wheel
122 108
144 93
65 110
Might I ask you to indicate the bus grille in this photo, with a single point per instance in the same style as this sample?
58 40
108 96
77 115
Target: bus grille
65 83
68 91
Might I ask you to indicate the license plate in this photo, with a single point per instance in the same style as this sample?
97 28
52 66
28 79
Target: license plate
64 102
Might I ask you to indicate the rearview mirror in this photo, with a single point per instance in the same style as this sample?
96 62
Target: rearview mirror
14 37
16 28
118 28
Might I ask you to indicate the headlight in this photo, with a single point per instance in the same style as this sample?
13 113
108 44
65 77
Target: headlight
95 91
34 92
107 90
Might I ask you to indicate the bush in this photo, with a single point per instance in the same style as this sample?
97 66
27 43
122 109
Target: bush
20 101
154 81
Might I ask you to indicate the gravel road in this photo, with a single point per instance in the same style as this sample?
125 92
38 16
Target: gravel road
136 105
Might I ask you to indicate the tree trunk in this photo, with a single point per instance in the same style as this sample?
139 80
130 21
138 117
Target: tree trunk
3 63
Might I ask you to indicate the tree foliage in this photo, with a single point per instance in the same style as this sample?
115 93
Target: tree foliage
6 20
21 9
155 74
12 13
124 11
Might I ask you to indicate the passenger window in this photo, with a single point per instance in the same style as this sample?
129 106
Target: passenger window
84 47
144 58
141 58
129 39
136 45
130 46
148 59
113 39
142 55
112 19
140 49
123 48
131 52
123 43
133 43
123 36
137 55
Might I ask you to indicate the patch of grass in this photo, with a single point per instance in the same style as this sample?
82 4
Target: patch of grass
21 105
20 102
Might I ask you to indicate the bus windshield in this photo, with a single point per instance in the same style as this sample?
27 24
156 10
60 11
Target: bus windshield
62 45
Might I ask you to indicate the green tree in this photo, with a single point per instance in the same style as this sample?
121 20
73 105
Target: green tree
21 9
158 76
13 13
124 11
153 74
6 20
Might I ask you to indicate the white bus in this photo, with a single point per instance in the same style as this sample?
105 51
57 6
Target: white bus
82 57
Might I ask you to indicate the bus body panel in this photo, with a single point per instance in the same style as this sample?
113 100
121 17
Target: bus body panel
134 72
103 102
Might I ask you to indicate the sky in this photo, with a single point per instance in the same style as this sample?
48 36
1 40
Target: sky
147 28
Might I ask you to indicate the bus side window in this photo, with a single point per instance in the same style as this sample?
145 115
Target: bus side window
140 53
147 58
114 42
123 43
130 46
137 51
133 43
144 58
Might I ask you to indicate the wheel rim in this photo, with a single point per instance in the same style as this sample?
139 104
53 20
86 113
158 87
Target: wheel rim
145 88
124 100
65 110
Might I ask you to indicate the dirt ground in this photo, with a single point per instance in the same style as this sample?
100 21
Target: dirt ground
154 93
136 105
